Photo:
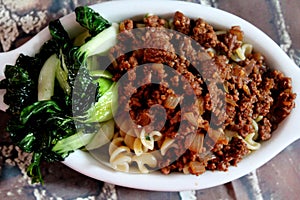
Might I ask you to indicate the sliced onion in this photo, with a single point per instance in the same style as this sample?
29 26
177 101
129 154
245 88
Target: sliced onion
189 116
255 126
230 101
172 101
197 143
197 167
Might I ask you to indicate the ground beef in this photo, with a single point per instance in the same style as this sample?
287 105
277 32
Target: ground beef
182 23
154 21
221 93
265 128
230 41
204 34
227 155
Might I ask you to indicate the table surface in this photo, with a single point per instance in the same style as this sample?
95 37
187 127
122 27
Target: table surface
277 179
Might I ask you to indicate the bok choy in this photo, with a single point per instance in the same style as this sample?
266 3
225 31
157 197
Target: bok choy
56 103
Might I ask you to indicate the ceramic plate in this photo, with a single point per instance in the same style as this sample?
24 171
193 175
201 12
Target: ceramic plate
115 11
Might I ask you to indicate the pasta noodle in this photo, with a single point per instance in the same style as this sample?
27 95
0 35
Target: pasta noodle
242 52
120 160
115 143
138 147
143 160
249 140
167 144
129 140
148 140
119 155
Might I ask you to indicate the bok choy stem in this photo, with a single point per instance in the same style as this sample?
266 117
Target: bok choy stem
47 78
72 143
101 43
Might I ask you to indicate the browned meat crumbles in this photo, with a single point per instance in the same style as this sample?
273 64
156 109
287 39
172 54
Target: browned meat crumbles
207 101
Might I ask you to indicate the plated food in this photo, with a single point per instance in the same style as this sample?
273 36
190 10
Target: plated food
175 94
220 98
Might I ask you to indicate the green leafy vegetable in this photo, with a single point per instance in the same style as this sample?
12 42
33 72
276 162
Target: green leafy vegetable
34 170
39 127
69 144
91 20
20 88
44 107
104 85
49 92
100 43
102 110
60 35
64 46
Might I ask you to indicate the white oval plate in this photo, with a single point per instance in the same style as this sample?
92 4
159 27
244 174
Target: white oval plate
116 11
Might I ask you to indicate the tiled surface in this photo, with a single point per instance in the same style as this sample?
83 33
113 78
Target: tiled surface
278 179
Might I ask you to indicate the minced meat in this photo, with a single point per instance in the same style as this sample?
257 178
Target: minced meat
248 90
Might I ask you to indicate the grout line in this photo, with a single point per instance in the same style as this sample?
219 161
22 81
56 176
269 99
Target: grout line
211 3
295 55
188 195
214 3
109 192
230 190
282 30
285 41
253 180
